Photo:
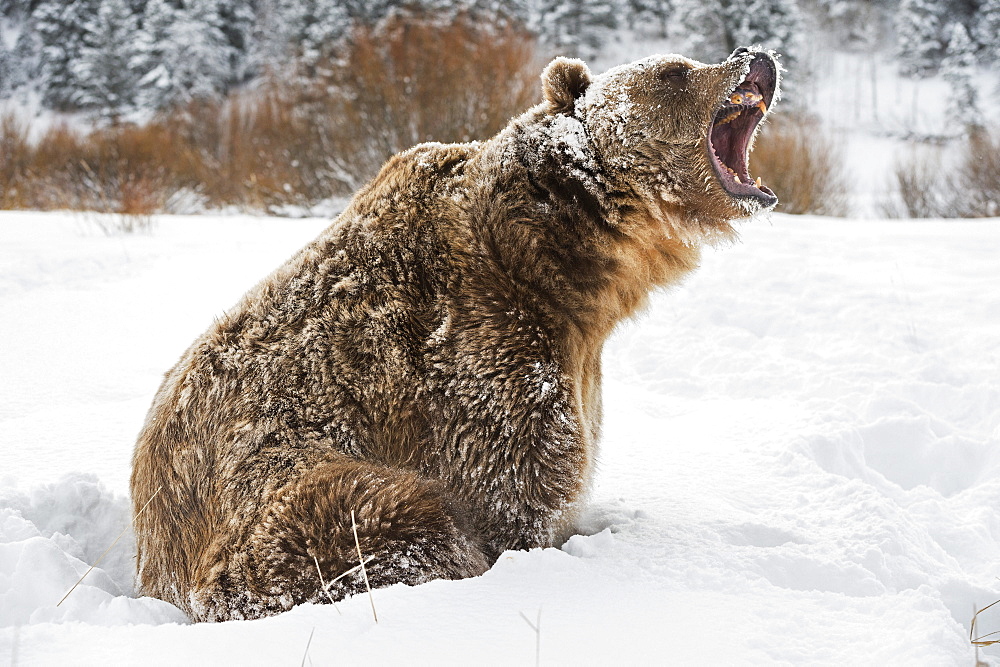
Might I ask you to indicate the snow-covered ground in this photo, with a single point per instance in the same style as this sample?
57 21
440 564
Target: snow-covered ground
800 461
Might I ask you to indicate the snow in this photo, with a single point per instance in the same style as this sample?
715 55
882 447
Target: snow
800 461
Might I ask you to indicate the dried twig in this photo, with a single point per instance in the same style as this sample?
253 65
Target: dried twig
361 559
131 523
537 627
323 585
348 572
981 640
306 654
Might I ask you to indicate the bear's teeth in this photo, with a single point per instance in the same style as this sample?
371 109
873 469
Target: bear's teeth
728 119
745 97
762 106
757 182
737 179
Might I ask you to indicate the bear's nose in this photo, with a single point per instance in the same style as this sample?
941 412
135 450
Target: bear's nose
738 52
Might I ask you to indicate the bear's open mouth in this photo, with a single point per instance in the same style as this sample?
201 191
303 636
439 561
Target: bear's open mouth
733 126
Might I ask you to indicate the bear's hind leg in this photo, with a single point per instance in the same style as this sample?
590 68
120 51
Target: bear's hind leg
406 526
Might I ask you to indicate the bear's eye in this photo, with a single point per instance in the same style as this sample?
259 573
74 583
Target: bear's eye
675 74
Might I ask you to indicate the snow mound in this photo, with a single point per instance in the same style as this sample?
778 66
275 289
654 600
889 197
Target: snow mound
47 538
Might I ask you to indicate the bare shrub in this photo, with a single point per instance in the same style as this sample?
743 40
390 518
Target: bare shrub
301 140
802 165
255 152
979 175
15 157
929 185
919 190
407 81
123 173
296 140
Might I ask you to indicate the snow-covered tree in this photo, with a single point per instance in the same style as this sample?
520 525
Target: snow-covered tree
716 27
16 10
369 11
919 43
237 19
957 69
189 56
516 11
986 31
576 27
108 66
60 29
6 71
649 14
310 29
774 24
25 57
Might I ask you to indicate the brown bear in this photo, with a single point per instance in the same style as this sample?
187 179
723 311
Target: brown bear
432 362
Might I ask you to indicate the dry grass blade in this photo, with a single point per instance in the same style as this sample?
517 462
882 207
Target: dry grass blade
324 586
981 640
361 559
101 557
306 654
348 572
537 627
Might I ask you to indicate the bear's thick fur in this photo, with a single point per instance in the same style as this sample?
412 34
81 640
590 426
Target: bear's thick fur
432 362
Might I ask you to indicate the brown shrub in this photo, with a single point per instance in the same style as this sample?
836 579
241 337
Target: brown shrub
300 140
295 140
124 170
979 176
926 185
407 81
916 187
15 157
796 159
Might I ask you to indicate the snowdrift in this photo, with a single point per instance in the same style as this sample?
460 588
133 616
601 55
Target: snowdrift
800 460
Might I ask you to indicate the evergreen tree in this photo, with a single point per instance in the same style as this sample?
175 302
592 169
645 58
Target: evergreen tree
6 71
919 44
987 31
156 88
650 13
368 11
107 69
957 69
576 27
311 29
188 57
717 27
237 19
505 11
25 57
60 29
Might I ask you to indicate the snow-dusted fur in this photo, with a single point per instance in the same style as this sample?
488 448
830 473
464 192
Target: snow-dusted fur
432 362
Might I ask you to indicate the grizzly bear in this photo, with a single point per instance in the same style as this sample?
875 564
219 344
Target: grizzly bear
432 362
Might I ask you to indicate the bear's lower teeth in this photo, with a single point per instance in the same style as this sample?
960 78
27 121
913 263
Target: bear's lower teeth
730 118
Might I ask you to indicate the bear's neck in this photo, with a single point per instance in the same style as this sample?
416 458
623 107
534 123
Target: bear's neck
545 218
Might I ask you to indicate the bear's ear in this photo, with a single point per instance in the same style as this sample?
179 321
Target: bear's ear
564 80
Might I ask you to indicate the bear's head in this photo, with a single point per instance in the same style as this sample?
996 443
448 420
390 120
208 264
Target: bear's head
674 134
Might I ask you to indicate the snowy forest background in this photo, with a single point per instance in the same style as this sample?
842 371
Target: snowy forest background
284 106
